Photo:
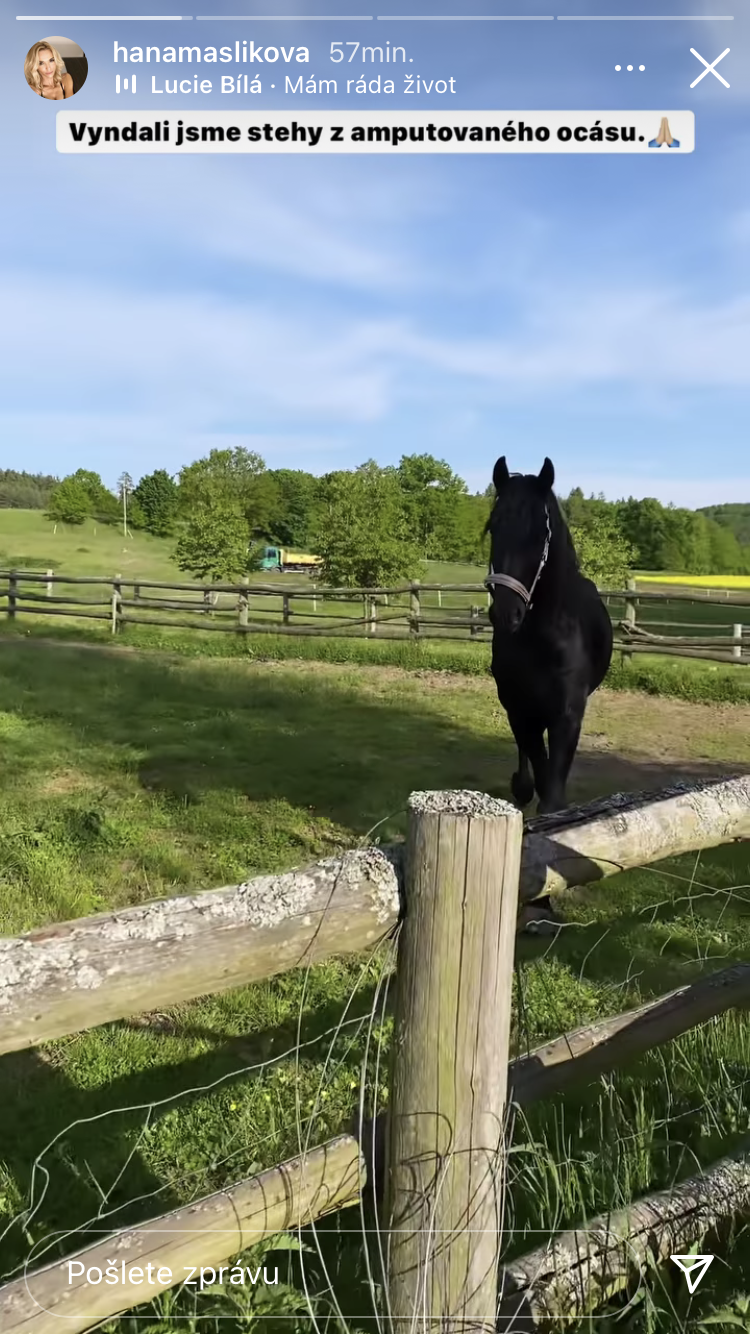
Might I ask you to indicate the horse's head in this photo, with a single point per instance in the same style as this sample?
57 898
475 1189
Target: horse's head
520 531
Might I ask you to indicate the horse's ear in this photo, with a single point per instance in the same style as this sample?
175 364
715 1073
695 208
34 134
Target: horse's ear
546 478
500 474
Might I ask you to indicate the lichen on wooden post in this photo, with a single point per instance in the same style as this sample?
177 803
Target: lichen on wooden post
449 1075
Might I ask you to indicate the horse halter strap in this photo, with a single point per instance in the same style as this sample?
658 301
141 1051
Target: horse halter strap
515 585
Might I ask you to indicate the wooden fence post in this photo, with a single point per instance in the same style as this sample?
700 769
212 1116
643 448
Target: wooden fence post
371 614
285 608
415 608
12 594
242 604
626 655
474 626
116 600
450 1059
737 648
50 585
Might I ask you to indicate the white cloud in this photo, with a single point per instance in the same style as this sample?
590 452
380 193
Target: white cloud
304 219
179 371
206 359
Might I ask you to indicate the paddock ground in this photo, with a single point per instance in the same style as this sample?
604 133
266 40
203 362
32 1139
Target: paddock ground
127 776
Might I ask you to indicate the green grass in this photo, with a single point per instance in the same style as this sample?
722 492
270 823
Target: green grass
127 777
676 678
28 541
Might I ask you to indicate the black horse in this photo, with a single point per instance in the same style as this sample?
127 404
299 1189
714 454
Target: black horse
552 635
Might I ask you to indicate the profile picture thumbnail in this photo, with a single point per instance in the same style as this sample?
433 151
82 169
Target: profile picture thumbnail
55 68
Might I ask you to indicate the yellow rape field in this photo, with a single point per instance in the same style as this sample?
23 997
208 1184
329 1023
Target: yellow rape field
697 580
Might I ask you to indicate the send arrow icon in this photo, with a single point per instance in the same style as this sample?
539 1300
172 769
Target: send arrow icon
693 1267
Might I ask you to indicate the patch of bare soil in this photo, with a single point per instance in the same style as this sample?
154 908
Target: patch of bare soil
65 781
661 740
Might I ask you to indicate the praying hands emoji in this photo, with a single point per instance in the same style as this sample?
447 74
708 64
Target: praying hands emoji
664 136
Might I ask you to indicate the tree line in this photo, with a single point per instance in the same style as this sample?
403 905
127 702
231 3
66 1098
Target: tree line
371 525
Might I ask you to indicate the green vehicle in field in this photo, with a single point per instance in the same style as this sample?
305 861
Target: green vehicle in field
284 561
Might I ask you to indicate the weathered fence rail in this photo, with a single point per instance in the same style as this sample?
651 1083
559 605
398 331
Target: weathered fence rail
457 884
408 610
160 1254
581 1269
69 976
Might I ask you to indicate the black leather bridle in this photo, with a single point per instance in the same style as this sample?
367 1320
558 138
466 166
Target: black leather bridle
515 585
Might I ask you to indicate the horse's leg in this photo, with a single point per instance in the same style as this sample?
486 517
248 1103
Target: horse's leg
563 735
531 750
521 782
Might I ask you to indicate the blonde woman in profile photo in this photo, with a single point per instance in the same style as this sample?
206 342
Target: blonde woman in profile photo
46 74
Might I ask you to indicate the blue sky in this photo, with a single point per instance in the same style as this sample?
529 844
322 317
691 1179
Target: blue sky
325 311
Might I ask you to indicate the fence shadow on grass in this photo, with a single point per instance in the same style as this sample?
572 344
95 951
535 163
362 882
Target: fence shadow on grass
38 1103
66 1189
201 726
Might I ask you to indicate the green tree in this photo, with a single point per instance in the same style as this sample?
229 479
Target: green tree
213 543
574 507
24 490
363 536
156 494
240 477
472 513
604 553
644 524
736 517
727 556
432 492
297 505
104 506
70 502
136 517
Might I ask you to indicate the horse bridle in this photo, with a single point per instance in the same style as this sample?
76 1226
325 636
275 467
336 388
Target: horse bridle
515 585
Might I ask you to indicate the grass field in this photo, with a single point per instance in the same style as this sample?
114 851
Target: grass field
128 776
29 542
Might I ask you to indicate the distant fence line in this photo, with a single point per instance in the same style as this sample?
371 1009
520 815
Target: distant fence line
403 611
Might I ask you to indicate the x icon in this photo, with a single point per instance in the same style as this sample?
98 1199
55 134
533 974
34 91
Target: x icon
709 68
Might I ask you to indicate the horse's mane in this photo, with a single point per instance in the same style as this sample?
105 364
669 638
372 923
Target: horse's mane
561 536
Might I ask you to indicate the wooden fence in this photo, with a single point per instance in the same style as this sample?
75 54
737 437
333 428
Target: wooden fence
455 887
415 610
